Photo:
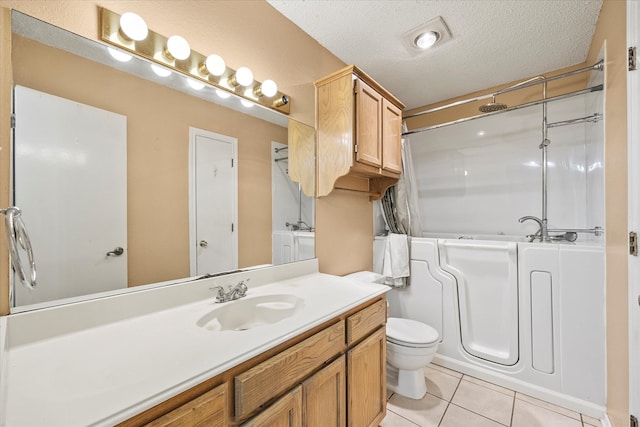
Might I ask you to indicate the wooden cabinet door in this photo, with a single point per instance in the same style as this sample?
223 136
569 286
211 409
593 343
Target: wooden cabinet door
324 397
286 412
368 125
210 410
366 381
391 137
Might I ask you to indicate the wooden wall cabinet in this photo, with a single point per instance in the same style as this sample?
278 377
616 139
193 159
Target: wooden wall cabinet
359 127
331 376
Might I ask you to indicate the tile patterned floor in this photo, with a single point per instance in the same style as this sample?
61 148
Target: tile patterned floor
457 400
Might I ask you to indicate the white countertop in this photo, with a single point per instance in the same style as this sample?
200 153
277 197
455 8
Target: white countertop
112 371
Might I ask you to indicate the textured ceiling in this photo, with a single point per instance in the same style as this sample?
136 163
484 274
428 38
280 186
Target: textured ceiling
493 41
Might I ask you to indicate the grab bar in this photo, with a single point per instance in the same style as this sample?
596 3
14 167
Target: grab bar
597 231
17 233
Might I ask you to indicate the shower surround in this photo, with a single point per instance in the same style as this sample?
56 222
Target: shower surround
526 315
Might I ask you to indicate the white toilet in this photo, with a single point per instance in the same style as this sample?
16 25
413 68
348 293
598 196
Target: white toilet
411 346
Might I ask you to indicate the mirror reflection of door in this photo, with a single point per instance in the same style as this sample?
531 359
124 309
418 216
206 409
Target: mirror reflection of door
75 206
213 202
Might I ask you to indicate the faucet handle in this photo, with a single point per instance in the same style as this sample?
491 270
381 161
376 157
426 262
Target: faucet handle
242 287
220 289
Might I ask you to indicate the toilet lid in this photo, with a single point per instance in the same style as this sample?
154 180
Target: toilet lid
410 332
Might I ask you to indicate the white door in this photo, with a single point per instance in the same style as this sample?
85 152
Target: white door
213 202
70 180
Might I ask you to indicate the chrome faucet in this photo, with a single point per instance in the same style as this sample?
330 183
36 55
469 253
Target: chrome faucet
543 231
235 292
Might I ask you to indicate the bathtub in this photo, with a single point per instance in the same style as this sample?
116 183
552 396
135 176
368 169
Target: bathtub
528 316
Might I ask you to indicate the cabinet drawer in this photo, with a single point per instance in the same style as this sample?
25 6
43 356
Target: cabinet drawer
272 377
209 410
365 321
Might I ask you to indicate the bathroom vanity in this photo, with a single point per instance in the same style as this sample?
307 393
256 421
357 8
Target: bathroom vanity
171 356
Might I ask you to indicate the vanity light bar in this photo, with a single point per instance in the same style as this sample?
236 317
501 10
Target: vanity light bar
154 48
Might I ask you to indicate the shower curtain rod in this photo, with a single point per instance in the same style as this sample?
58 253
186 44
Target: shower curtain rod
599 66
517 107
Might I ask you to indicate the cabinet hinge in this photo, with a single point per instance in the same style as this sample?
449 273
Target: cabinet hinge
231 162
13 121
633 243
232 227
633 421
632 58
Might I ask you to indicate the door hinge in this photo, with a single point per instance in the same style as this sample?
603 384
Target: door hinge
13 121
633 421
232 227
231 162
355 148
633 243
632 58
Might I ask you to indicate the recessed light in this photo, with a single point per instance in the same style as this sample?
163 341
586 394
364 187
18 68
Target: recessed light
426 40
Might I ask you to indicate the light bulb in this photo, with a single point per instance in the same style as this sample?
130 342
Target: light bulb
268 88
247 104
133 27
222 94
215 65
178 47
242 77
195 84
160 71
119 55
426 40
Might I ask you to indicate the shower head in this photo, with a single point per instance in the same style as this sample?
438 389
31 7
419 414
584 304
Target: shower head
492 106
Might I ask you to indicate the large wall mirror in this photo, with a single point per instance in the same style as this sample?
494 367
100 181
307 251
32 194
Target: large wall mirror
130 176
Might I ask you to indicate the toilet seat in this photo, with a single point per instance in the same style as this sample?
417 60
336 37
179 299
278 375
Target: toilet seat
410 333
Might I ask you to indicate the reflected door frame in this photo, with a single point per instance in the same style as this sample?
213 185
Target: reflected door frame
194 244
633 150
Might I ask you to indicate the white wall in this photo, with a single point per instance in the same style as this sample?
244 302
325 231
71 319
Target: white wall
480 176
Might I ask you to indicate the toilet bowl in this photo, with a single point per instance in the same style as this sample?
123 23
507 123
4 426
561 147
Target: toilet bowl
411 346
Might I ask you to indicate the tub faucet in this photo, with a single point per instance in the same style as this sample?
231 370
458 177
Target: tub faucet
235 292
542 233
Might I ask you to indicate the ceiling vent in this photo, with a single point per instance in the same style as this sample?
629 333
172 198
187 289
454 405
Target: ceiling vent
428 35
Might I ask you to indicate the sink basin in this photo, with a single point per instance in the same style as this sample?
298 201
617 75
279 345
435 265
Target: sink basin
251 312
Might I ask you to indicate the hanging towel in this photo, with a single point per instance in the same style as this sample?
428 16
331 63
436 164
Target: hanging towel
395 264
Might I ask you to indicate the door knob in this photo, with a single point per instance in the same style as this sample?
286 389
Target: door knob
203 243
116 252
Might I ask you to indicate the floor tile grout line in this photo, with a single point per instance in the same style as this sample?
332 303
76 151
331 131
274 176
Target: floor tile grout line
444 413
480 415
488 388
550 409
513 410
404 418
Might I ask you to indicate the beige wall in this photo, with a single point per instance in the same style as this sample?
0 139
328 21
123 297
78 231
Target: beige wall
249 33
611 30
